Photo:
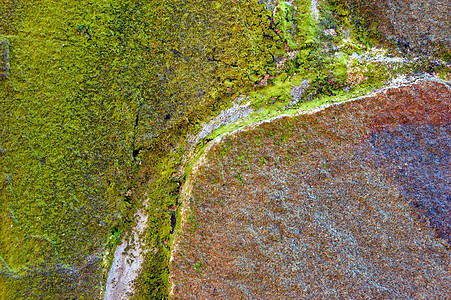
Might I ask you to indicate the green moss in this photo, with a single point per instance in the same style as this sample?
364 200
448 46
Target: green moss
68 109
340 69
198 266
354 15
162 193
211 53
192 222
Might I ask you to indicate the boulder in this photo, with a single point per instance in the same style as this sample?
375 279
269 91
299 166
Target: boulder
351 201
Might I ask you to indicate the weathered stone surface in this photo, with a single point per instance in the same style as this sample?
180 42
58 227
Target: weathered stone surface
126 264
421 26
349 202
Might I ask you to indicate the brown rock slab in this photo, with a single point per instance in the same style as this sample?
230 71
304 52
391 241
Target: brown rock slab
349 202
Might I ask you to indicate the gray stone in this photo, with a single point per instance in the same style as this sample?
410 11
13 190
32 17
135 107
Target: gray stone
421 27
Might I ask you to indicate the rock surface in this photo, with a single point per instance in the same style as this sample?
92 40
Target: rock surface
127 262
349 202
420 26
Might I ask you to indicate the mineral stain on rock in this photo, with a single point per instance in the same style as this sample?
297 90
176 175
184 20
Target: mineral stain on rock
417 158
321 205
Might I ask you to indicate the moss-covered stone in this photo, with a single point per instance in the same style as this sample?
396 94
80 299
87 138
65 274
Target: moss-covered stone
99 98
89 83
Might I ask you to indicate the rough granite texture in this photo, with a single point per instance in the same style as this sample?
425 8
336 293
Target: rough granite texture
349 202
